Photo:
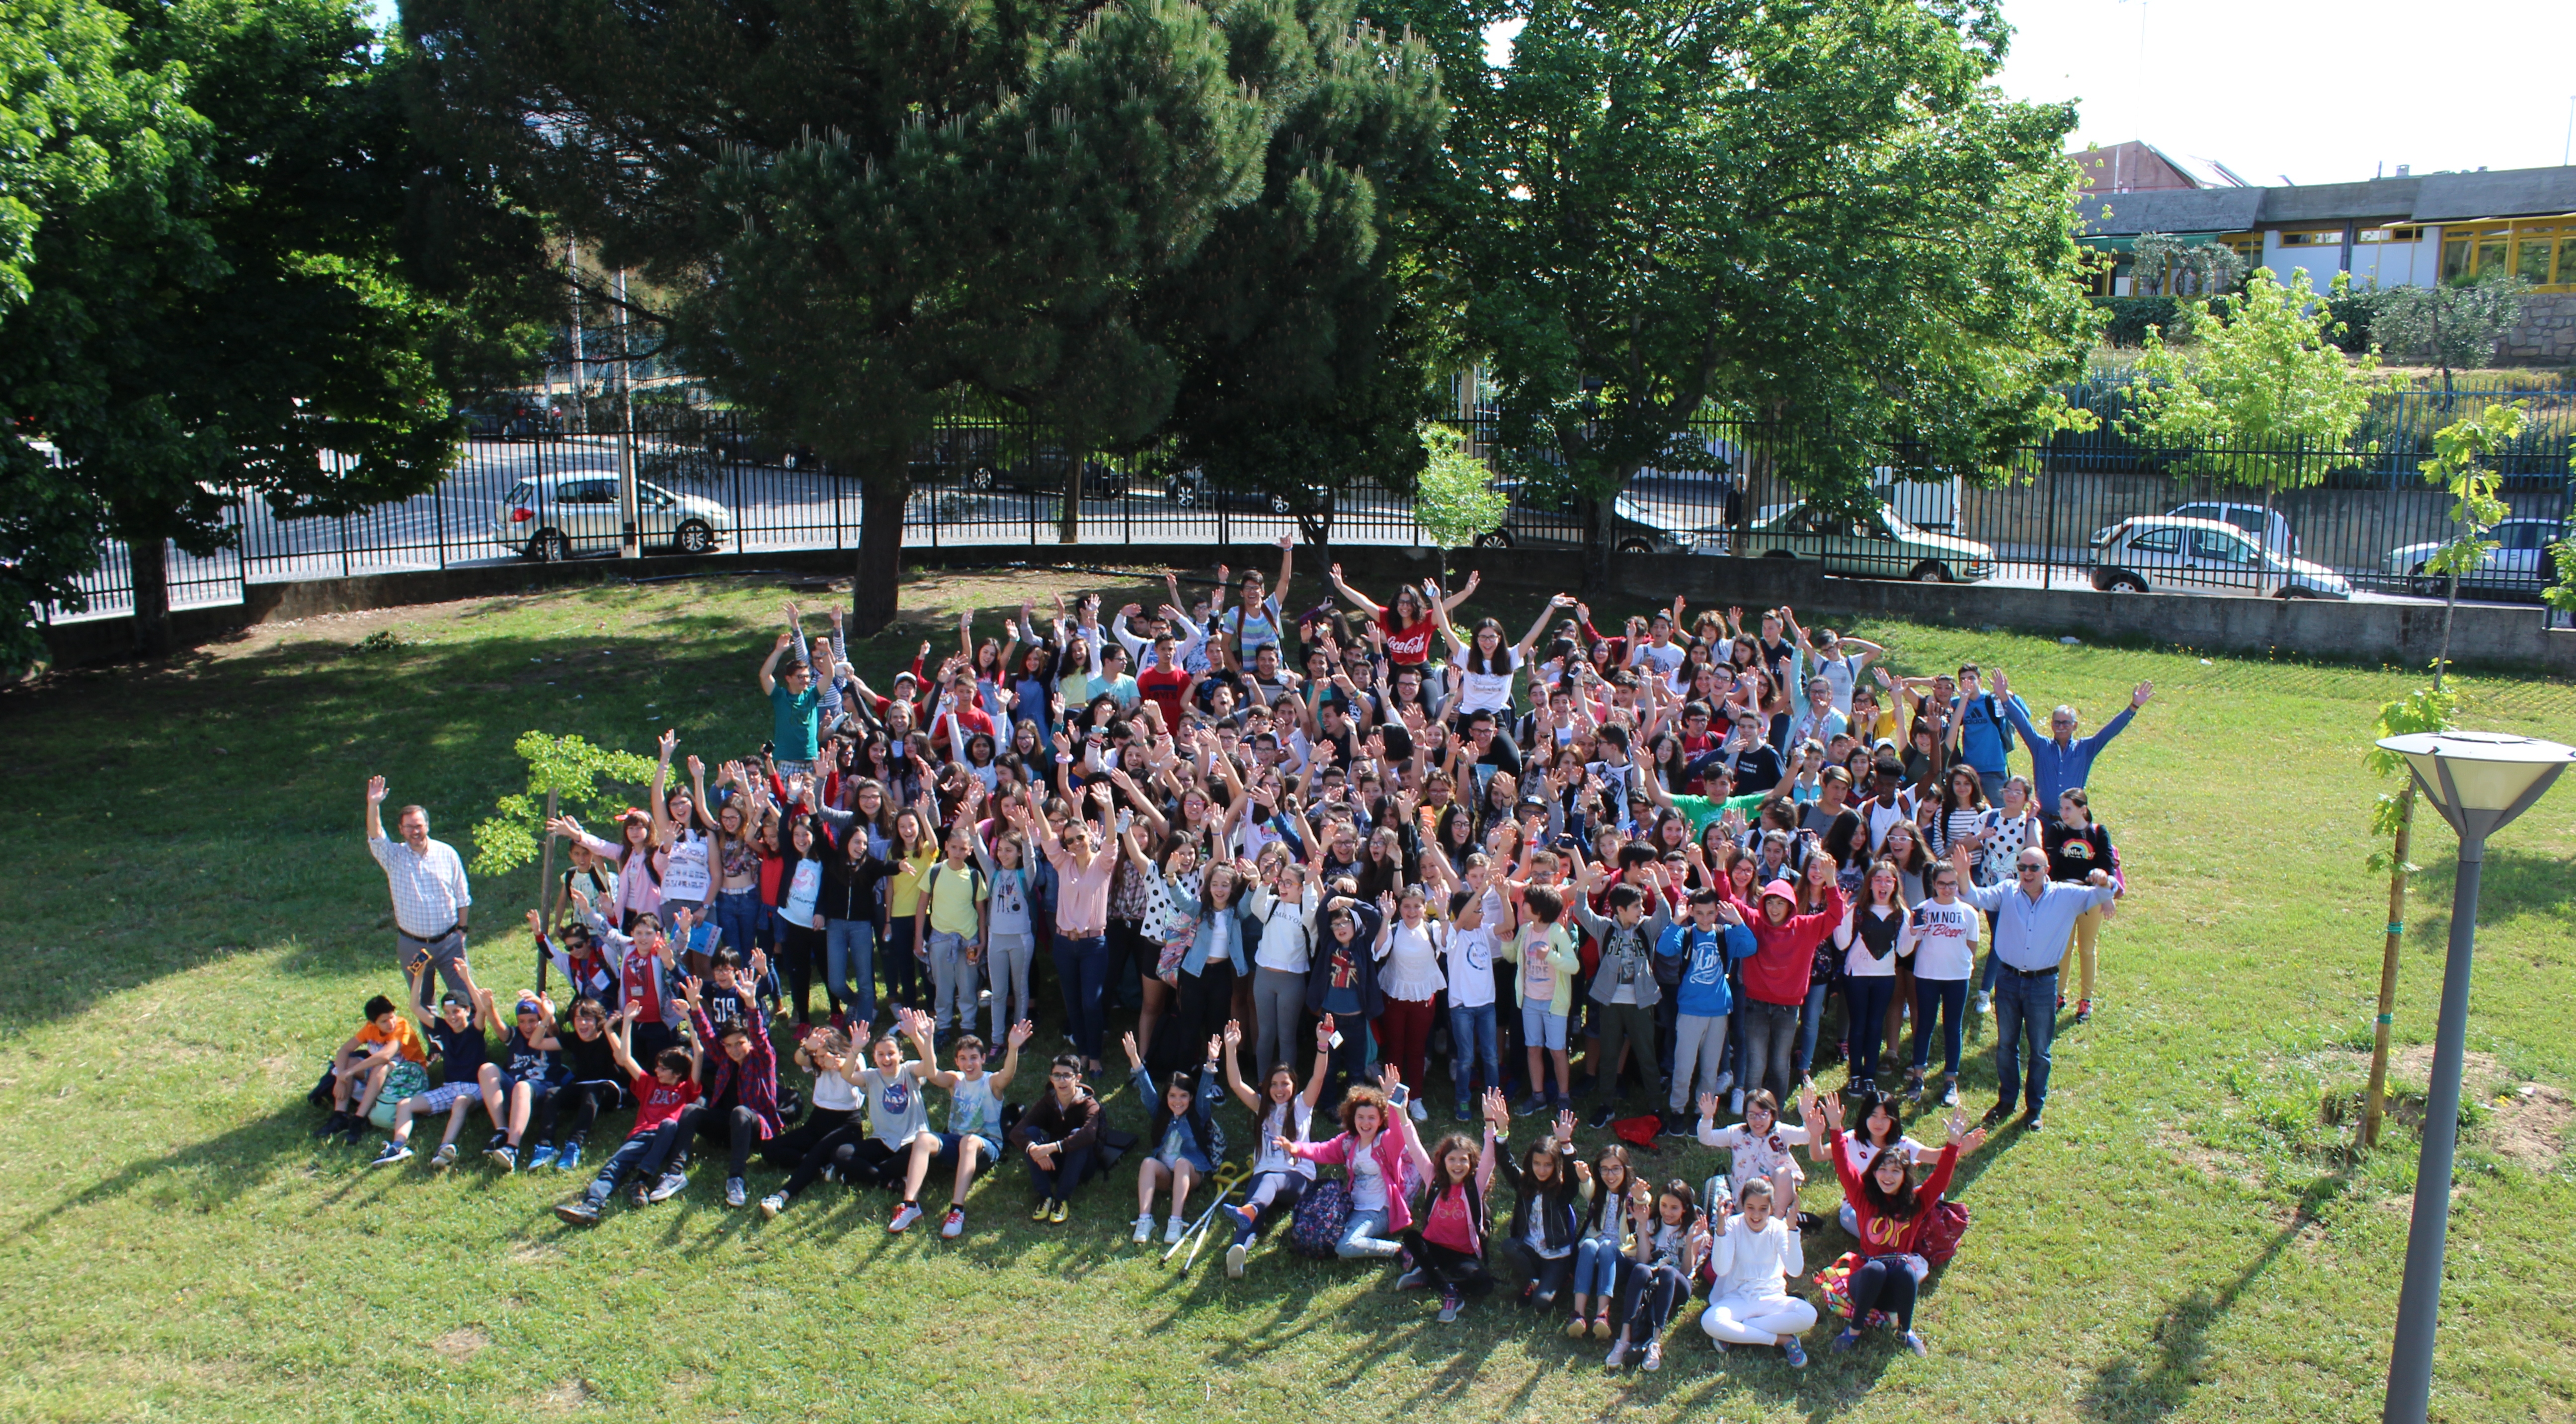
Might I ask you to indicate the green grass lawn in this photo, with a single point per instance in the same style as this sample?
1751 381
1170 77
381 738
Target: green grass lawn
193 923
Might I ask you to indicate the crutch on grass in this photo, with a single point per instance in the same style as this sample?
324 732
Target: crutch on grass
1225 1181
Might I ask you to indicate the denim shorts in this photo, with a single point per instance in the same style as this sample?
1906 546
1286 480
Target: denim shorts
949 1142
1541 1029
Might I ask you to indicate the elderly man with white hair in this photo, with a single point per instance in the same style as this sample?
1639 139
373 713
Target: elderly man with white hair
2059 760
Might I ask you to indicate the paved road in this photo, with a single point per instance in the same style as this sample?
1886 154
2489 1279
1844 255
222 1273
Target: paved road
774 509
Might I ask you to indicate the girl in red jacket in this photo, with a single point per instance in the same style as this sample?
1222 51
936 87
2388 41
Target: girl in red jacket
1776 979
1892 1213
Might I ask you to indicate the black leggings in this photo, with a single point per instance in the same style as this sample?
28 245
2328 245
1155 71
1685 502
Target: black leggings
585 1099
738 1127
1886 1286
1548 1274
800 949
1450 1266
837 1149
788 1148
1654 1292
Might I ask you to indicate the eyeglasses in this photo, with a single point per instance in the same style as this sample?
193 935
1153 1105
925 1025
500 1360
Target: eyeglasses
2033 869
1061 1076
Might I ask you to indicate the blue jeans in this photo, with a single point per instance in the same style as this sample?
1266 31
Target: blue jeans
1811 1019
1363 1237
1082 968
1770 1039
1596 1270
739 917
1056 1183
1867 997
645 1152
2025 1007
1472 1042
849 976
902 964
1949 999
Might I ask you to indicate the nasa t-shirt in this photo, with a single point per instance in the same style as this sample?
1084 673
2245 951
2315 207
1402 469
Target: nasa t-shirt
896 1112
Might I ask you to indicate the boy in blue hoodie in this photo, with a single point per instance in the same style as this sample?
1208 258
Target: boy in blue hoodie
1714 938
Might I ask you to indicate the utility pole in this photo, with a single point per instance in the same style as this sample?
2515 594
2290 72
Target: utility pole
580 367
630 545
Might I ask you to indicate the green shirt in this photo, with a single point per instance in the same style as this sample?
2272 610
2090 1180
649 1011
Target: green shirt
792 733
1701 810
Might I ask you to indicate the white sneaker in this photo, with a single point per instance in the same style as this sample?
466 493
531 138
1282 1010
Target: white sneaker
735 1192
1725 1081
443 1158
1985 1002
1618 1354
1172 1231
904 1216
1420 1113
1735 1104
1144 1228
1235 1256
771 1205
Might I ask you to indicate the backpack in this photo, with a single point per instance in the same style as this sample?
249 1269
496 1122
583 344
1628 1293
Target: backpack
1316 1230
974 879
1940 1240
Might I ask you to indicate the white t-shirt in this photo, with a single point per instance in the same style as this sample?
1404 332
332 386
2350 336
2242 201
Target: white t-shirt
1942 938
1287 932
1471 968
1881 818
833 1093
1839 674
1488 691
1412 968
1666 659
1858 962
1271 1158
1368 1176
684 874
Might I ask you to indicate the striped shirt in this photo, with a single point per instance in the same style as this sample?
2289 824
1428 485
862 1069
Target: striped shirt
429 889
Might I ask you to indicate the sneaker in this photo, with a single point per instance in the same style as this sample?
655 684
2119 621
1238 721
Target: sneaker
1996 1114
953 1225
1985 1001
1915 1343
840 1022
771 1205
1173 1230
1529 1106
541 1156
1601 1326
1412 1279
1721 1345
1654 1356
2084 1011
735 1196
671 1185
1914 1087
356 1133
1063 1212
1866 1087
1735 1103
1449 1303
504 1157
1235 1256
1241 1220
1680 1125
443 1158
801 1031
394 1152
904 1216
1618 1355
2033 1124
1045 1205
584 1212
2061 1003
1846 1340
1604 1115
1420 1113
1144 1227
1577 1327
569 1159
1461 1114
332 1124
1949 1092
1795 1353
639 1198
1725 1080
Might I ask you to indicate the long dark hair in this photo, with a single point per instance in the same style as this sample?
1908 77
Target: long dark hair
1902 1202
1477 662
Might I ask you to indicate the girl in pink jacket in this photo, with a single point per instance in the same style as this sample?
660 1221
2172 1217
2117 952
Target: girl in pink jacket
1383 1158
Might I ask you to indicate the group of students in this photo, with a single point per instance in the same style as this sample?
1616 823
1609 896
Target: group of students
1566 864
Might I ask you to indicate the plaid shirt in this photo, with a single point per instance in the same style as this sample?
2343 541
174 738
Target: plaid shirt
757 1088
430 895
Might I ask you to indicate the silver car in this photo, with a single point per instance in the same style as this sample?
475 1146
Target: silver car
2161 551
555 517
2519 563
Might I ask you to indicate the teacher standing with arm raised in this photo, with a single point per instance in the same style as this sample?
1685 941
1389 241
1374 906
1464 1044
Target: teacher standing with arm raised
430 896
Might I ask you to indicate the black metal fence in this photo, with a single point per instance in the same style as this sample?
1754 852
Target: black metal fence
2095 509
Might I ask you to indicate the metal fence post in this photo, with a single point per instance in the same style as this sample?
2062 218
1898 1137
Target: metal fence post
2048 527
438 518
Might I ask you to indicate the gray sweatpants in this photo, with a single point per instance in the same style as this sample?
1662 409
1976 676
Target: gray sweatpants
1008 959
1699 1051
444 955
1278 1010
953 978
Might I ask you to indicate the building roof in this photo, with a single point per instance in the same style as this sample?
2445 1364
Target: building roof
2429 198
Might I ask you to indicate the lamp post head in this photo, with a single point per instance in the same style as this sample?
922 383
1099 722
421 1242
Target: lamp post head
2480 781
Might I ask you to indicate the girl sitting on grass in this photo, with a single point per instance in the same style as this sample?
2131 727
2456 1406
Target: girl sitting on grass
1449 1246
1279 1111
1544 1215
1377 1155
1667 1238
1184 1143
1603 1241
1892 1212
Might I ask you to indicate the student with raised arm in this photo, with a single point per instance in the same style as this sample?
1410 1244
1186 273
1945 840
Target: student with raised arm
1753 1256
1283 909
1083 864
1891 1212
1377 1147
660 1096
948 923
1256 621
457 1032
795 706
740 1106
1183 1142
1484 667
1280 1113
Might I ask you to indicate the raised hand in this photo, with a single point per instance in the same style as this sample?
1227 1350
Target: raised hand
1565 1125
670 739
1233 1034
1708 1107
375 791
2138 697
1021 1033
696 767
1135 1055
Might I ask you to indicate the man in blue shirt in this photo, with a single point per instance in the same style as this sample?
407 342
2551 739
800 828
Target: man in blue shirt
2058 760
2034 917
1985 735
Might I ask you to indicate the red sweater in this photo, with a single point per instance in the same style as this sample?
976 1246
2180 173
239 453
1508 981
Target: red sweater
1880 1234
1784 953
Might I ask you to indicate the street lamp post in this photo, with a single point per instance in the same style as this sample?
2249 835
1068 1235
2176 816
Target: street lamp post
2479 781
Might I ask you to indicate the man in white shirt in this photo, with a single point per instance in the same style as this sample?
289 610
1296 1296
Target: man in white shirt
430 895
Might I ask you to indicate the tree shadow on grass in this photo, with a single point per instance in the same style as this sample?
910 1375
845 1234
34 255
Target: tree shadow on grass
2512 883
2131 1389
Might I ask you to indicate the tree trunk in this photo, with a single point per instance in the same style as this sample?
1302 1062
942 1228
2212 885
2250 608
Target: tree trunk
2450 604
1068 523
149 557
876 591
2376 1104
1596 548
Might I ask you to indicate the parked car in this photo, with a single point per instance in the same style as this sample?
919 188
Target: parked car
1043 472
509 416
2161 551
2519 563
1931 504
1656 514
1191 489
2267 527
1877 544
557 517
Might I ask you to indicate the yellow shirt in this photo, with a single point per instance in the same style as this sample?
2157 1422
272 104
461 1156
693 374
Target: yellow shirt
903 893
954 893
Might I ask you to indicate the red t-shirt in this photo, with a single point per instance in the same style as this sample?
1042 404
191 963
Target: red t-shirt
1410 646
1450 1224
973 719
658 1102
635 985
1165 689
